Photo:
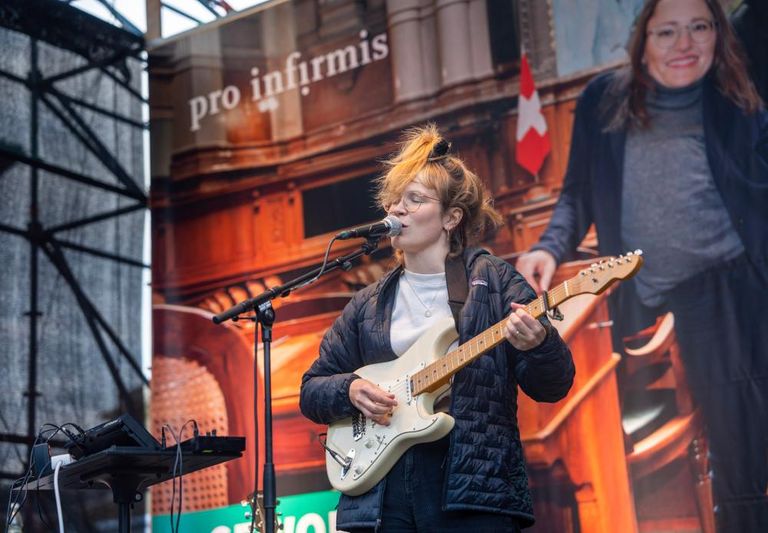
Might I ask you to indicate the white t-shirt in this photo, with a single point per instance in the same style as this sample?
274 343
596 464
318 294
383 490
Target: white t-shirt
421 300
418 295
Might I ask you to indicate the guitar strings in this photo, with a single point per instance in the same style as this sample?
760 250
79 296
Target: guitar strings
535 306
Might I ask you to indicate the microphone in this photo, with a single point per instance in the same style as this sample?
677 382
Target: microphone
390 227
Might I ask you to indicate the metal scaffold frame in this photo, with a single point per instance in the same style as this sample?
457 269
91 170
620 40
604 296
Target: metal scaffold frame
106 48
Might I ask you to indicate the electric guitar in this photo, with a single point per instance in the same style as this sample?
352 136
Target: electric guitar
360 452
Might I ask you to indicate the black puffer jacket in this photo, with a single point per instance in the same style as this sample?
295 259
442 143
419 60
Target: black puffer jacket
485 469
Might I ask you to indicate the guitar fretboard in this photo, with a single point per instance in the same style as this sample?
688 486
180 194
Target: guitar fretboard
438 373
595 279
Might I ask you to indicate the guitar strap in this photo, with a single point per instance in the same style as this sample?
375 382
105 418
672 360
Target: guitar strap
458 286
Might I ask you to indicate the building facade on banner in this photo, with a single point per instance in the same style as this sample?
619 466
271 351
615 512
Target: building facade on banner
267 129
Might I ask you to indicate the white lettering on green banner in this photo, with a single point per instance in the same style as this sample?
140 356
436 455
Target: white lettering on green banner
313 512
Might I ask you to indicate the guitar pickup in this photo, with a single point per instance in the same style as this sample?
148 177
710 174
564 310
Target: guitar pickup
358 426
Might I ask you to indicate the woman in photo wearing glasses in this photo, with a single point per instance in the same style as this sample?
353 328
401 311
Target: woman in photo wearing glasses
670 155
473 479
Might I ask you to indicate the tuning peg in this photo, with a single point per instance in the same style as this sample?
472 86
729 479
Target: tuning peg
638 252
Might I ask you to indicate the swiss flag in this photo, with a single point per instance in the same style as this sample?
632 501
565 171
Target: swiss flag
532 138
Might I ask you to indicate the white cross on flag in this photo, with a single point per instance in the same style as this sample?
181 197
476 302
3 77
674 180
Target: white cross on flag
532 138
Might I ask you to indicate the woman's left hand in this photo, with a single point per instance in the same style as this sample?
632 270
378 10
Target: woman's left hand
522 330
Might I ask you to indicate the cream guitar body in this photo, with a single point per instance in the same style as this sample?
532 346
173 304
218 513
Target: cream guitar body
370 449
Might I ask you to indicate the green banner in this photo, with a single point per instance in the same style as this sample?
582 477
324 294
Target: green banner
314 512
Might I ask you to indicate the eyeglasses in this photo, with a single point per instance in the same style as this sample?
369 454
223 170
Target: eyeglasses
666 36
411 201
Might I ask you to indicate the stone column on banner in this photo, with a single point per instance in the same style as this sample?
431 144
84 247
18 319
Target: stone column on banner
412 48
279 40
480 38
199 73
429 53
454 41
154 24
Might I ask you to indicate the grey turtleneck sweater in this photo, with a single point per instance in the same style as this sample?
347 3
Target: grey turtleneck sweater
671 208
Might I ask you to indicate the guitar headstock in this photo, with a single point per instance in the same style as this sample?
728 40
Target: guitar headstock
601 275
255 502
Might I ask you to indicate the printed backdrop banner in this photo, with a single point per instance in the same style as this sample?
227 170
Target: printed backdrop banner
268 129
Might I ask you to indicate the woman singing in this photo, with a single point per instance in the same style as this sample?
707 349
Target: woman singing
474 479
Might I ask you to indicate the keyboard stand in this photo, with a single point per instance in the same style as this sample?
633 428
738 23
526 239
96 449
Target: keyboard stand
128 471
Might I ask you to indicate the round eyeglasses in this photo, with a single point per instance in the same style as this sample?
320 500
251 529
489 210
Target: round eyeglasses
411 201
666 36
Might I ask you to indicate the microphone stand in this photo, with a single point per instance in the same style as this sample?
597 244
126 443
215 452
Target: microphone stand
265 317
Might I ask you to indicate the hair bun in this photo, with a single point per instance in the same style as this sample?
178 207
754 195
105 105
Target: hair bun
440 150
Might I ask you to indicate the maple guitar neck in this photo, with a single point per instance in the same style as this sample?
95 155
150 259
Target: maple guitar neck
593 280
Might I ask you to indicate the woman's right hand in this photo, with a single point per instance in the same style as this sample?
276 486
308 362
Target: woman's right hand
537 267
370 400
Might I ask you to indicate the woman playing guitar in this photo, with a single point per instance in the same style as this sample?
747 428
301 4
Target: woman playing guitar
474 477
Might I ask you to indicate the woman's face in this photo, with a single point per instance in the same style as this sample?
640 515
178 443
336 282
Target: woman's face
423 219
680 42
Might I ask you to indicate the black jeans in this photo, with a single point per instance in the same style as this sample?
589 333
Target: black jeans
414 494
722 328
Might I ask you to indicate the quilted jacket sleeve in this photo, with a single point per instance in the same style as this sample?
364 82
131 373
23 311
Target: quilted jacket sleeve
325 386
546 372
572 215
